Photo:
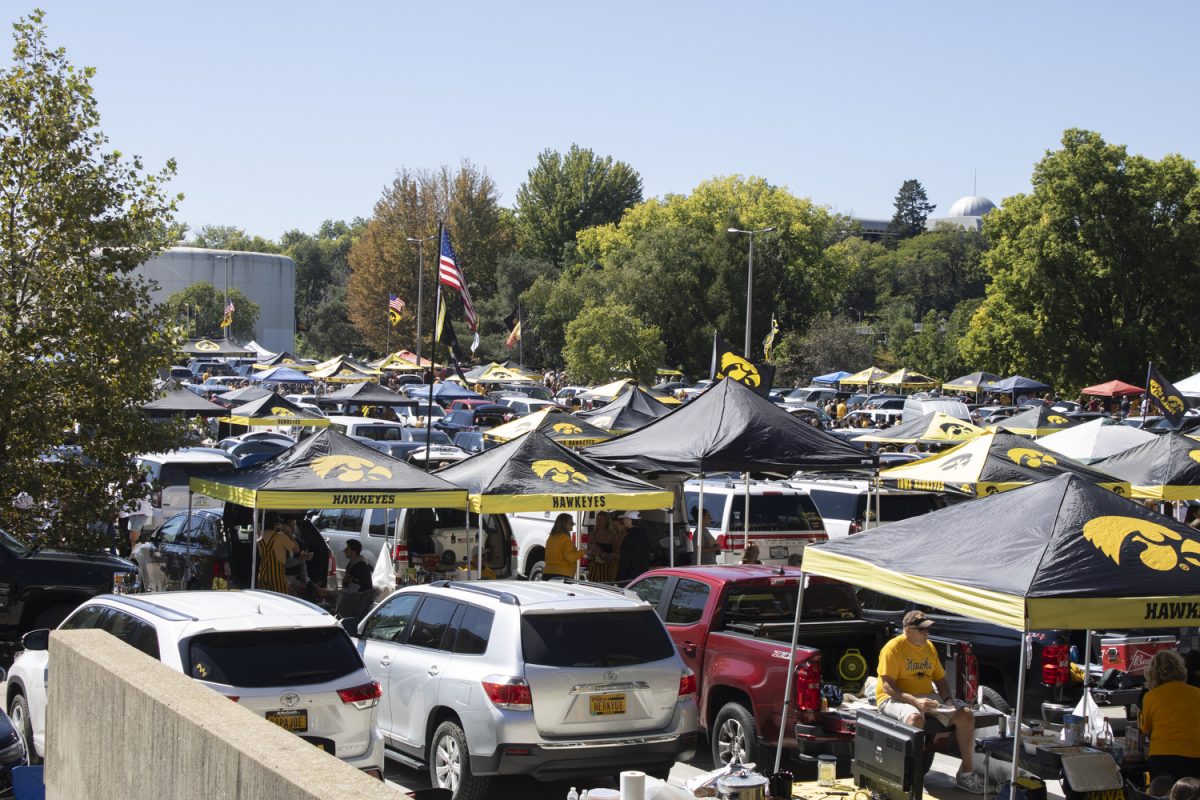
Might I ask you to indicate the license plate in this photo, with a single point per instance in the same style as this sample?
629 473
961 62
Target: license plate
295 721
779 551
603 704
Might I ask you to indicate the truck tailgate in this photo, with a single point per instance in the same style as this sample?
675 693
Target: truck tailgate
848 647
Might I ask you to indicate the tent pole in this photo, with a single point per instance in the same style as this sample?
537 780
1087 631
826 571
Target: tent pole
254 546
479 573
878 496
697 543
1016 753
787 692
578 538
746 519
671 528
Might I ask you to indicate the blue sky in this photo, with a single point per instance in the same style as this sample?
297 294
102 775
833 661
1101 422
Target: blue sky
281 115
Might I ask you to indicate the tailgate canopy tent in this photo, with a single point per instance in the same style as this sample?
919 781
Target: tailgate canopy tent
1165 468
1018 383
1095 439
832 378
630 411
282 374
864 377
216 347
558 425
284 359
1113 389
272 409
182 402
1059 554
933 428
366 393
907 379
244 395
975 382
992 463
1037 421
444 391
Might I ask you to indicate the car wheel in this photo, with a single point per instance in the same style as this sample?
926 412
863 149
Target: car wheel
996 700
52 616
18 712
537 570
734 736
450 764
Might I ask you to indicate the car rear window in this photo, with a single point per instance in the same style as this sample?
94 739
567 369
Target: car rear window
776 512
896 507
177 473
777 603
594 639
255 659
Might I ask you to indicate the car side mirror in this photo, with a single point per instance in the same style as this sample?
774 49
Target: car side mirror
36 640
350 625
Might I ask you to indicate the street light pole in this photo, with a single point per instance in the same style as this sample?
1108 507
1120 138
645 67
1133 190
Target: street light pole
420 283
750 281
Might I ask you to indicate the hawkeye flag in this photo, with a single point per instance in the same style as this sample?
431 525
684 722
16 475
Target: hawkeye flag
513 323
769 342
1163 394
395 308
227 320
728 364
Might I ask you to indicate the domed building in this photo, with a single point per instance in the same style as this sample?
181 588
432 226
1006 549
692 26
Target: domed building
967 212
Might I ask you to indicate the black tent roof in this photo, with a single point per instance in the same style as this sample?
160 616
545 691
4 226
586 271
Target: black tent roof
216 347
728 428
331 470
367 393
1165 468
272 409
632 410
184 402
534 473
1063 553
245 394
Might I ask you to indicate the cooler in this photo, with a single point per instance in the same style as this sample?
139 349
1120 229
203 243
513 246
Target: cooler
1132 654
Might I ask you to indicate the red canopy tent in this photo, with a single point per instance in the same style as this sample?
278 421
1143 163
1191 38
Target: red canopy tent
1113 389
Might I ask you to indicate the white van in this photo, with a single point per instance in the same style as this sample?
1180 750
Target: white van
380 430
783 519
847 505
918 405
169 475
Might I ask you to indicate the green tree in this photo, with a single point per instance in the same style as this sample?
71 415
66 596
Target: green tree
565 193
199 309
610 341
331 333
1092 272
321 264
832 342
935 270
81 342
912 209
229 237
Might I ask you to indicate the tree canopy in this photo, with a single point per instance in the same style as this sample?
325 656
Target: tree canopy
912 210
200 308
607 342
80 342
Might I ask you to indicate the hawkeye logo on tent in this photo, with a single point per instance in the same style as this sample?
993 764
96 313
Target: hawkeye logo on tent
207 346
1031 458
566 428
1162 548
960 460
952 429
1054 419
558 472
1194 455
280 411
350 469
741 370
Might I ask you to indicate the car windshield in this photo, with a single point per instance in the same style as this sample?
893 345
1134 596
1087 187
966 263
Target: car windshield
13 544
257 659
594 639
381 433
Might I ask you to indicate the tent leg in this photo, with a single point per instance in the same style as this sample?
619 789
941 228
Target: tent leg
1016 753
746 518
254 533
791 670
671 528
479 516
697 539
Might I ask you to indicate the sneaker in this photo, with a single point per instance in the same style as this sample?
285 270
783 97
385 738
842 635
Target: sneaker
969 782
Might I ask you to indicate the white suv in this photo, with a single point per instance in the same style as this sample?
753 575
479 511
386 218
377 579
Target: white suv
549 679
281 657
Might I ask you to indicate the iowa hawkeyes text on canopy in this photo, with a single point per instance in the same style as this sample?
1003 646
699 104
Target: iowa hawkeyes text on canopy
1186 611
364 499
580 502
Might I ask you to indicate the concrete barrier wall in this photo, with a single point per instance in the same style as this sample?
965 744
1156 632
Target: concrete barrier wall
121 726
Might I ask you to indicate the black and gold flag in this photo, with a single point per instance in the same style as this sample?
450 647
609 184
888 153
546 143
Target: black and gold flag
1163 394
769 341
727 363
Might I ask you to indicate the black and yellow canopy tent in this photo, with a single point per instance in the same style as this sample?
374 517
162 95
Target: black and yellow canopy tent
1059 554
244 395
344 369
609 392
907 379
630 411
991 463
559 426
1040 420
534 473
934 428
975 382
328 470
273 409
366 393
222 348
1164 468
284 359
182 403
864 377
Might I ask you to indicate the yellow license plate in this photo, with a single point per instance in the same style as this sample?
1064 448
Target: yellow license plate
295 721
602 704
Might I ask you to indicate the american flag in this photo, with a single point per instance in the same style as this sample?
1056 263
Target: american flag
395 307
450 275
229 307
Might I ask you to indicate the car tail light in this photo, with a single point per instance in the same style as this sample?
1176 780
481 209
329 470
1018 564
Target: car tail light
970 671
687 684
808 684
509 693
400 553
512 547
855 527
365 696
1056 665
156 498
374 772
233 697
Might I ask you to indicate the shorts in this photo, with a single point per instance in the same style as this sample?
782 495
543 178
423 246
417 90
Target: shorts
135 522
902 711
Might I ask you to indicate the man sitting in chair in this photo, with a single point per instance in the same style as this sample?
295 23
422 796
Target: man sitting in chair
912 683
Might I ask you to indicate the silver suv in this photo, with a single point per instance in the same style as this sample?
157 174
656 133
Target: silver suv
547 679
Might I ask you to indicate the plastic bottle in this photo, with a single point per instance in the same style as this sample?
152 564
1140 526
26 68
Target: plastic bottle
572 795
584 796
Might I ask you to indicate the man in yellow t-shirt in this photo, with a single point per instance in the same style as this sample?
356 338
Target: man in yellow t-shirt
912 683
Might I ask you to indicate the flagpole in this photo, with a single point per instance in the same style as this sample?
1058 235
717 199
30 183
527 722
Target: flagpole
437 310
387 337
1145 404
521 341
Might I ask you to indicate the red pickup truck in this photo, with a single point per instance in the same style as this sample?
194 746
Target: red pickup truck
733 627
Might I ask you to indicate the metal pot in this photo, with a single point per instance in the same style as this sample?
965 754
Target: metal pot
742 784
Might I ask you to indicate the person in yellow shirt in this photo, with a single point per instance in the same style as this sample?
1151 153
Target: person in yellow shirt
1171 718
561 554
912 683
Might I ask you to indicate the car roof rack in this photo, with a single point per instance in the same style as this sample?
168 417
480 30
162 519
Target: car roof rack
150 608
505 597
577 582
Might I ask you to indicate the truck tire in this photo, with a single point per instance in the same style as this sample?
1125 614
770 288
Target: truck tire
734 735
450 764
996 700
18 712
537 570
52 616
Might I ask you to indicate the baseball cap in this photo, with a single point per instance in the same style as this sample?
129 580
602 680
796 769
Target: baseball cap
631 515
917 619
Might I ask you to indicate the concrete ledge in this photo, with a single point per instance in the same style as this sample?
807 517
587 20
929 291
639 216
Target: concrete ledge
121 725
